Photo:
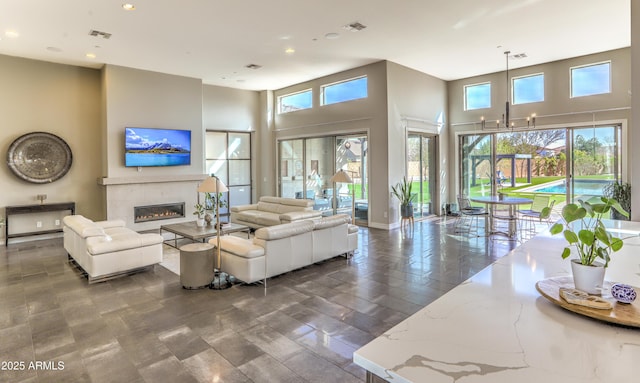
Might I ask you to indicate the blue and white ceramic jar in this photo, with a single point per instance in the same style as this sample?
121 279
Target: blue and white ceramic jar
623 293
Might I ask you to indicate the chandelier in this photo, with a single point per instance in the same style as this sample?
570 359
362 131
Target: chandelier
506 122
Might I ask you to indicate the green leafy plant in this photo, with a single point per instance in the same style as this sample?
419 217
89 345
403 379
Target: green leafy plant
200 210
402 191
211 199
592 240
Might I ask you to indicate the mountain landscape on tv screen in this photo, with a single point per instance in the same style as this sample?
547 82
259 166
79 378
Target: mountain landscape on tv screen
158 147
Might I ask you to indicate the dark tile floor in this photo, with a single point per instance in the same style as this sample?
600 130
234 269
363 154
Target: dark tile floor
146 328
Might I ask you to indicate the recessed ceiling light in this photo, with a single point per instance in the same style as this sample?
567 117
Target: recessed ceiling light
253 66
11 33
128 7
90 55
331 36
289 51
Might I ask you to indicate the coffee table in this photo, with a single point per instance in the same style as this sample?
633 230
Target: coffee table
197 233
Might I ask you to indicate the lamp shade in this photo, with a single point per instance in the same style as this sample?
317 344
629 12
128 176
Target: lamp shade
212 185
341 176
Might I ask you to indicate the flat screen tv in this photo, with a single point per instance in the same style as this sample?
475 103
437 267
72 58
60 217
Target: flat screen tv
157 147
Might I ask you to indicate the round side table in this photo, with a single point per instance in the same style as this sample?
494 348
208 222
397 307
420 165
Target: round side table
196 265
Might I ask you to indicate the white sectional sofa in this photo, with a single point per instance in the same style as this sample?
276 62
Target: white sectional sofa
282 248
106 249
270 211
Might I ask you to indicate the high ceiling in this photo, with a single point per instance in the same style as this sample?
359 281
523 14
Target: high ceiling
215 40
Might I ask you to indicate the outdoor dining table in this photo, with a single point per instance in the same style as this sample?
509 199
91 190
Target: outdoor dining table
512 213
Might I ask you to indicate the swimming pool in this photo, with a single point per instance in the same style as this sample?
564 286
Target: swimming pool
581 187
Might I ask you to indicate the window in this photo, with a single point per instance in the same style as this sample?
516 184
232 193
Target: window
477 96
295 101
344 91
228 156
528 89
591 79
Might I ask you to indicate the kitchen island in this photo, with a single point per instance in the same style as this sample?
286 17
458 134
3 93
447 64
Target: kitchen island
496 327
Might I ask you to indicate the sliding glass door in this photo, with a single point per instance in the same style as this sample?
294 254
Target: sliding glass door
351 156
291 168
567 164
306 168
421 170
594 161
476 165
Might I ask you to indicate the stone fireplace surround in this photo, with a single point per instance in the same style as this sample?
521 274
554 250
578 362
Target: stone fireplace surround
123 193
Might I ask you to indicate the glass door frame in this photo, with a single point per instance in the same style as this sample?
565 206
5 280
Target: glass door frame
433 165
226 160
619 166
307 168
571 179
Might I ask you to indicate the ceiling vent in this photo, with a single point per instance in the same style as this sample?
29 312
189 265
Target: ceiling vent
518 56
96 33
354 27
253 66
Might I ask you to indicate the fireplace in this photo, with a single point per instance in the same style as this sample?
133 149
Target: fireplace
158 212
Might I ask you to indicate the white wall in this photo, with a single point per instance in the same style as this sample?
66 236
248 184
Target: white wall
228 109
558 109
59 99
417 103
137 98
367 115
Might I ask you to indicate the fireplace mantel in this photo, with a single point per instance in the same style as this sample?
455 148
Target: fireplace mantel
106 181
124 193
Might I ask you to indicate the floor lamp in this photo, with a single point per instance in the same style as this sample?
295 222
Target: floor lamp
342 177
213 184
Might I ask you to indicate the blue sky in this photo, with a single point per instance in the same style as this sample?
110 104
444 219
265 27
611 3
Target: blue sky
143 137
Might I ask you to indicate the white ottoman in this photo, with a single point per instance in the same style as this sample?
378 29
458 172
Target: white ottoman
196 265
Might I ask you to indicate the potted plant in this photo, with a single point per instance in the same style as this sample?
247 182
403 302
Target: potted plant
402 191
200 211
621 192
211 200
592 244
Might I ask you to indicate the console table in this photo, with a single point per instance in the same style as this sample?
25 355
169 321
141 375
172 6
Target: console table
29 209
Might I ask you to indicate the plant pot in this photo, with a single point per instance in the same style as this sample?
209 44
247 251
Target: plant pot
589 279
406 211
200 222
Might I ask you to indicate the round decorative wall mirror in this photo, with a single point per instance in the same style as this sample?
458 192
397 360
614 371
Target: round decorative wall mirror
39 157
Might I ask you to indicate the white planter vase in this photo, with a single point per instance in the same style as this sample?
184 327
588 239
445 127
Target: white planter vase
589 279
200 222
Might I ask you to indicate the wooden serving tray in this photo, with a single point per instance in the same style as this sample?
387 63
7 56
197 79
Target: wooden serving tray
627 314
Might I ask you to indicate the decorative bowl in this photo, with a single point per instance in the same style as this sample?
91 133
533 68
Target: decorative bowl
623 293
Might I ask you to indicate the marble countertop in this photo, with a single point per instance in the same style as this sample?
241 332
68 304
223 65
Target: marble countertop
496 327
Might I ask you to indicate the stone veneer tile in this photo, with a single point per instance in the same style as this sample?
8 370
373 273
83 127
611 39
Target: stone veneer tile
169 369
236 349
209 366
272 342
183 342
318 370
266 369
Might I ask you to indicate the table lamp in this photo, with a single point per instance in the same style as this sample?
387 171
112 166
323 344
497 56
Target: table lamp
213 184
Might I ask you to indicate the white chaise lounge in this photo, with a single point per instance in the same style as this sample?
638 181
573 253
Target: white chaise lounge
107 249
